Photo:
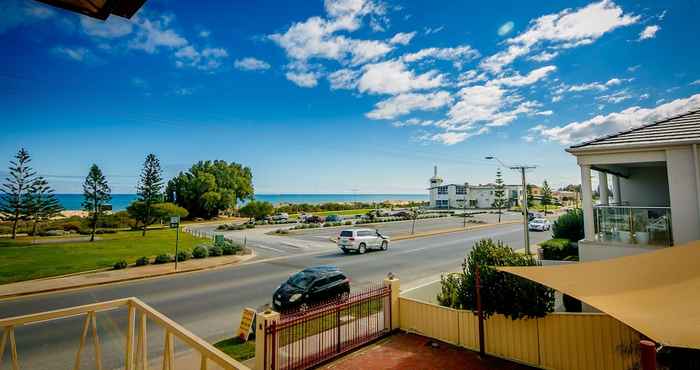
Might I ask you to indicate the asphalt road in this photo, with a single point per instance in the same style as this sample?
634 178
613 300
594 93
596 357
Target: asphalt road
209 303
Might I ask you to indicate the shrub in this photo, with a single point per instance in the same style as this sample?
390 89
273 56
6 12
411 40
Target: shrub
501 292
250 226
569 226
163 258
215 251
282 231
559 250
200 251
184 255
72 225
347 223
231 249
142 261
119 265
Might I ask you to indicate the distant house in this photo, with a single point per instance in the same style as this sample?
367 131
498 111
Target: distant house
654 171
454 196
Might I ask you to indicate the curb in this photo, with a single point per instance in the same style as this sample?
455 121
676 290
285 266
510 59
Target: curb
443 231
134 278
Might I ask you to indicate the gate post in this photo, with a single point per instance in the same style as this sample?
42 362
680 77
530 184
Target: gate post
263 343
394 284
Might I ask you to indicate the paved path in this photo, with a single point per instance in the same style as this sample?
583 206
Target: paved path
209 303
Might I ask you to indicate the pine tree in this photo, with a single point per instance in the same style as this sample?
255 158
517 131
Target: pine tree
546 196
150 188
96 193
13 203
41 203
499 194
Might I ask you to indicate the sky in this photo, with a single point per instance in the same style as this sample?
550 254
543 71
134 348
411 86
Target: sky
339 96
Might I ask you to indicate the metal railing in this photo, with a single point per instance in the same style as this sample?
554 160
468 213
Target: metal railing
136 348
648 226
303 339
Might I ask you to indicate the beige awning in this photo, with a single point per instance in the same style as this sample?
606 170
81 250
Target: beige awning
656 293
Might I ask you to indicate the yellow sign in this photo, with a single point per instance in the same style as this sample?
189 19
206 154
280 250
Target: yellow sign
246 323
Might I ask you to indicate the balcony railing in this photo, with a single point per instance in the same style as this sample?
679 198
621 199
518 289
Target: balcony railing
136 349
648 226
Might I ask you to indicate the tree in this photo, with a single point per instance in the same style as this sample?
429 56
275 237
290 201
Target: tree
159 211
13 203
499 200
569 226
96 193
501 292
530 197
149 189
210 187
256 209
41 203
546 196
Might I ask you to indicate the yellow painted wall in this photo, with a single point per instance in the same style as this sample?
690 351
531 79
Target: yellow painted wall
568 341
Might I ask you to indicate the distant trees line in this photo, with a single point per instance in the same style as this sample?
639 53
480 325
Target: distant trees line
324 207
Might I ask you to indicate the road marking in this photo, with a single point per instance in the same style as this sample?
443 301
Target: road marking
268 248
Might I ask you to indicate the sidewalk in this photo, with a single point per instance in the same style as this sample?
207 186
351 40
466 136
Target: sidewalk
411 351
113 276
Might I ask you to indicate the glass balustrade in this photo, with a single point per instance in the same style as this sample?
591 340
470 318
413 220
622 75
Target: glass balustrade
634 225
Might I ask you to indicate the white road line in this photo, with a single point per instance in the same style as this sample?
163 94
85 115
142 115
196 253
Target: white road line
268 248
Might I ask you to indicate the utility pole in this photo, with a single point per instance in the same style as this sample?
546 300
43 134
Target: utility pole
464 213
521 169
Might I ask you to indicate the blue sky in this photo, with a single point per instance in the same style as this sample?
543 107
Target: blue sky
338 96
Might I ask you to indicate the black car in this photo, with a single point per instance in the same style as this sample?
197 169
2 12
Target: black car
310 286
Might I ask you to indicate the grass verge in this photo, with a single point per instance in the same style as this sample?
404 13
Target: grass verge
20 260
237 348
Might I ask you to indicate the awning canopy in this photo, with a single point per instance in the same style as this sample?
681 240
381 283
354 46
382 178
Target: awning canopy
656 293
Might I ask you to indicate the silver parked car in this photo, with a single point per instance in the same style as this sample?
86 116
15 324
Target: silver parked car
539 224
362 240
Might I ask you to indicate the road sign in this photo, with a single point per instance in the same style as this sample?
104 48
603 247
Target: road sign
246 324
174 222
218 239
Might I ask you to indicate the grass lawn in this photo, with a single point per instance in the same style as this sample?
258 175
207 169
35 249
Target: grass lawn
237 348
20 260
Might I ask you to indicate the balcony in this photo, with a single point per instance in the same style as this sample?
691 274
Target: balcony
629 225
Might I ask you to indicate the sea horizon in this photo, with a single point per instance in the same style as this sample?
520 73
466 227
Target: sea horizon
73 201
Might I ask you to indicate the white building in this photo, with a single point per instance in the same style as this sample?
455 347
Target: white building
446 196
655 175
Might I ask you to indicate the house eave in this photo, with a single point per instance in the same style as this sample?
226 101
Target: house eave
594 149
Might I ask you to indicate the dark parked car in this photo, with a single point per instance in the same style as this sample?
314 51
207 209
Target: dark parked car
333 218
310 286
314 219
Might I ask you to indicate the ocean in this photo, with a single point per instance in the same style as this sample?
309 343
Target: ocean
72 202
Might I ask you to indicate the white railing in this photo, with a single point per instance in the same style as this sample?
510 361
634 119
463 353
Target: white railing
136 353
634 225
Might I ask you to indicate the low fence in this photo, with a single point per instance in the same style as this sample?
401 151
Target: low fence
575 341
135 355
302 339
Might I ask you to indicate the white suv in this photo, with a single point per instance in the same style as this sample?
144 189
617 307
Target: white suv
362 240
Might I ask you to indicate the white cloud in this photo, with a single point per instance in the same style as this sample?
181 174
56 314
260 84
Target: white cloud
470 77
204 33
644 96
450 138
154 34
78 54
39 11
544 56
14 13
505 28
432 31
545 113
458 54
649 32
406 103
633 68
207 60
344 79
113 27
517 80
392 77
184 91
303 79
251 64
598 86
696 82
402 38
616 97
614 122
364 51
566 29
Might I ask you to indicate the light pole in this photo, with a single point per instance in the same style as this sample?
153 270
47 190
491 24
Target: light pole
522 170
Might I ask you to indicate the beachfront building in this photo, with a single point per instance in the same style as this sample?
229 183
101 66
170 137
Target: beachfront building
654 171
454 196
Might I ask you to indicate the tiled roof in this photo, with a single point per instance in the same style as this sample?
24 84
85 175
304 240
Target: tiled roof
684 128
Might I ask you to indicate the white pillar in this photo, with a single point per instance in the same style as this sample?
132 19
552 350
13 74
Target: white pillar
587 202
617 197
603 188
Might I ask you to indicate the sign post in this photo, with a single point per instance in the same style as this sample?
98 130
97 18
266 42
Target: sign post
246 324
175 224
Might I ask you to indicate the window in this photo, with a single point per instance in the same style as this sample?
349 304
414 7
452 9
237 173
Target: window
442 189
346 233
442 203
461 189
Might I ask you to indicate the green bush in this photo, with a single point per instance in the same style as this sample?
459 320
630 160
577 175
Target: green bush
347 223
231 249
119 265
200 251
215 251
501 292
569 226
163 258
142 261
184 255
559 250
250 226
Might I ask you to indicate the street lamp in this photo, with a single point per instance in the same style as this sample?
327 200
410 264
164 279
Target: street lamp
522 170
